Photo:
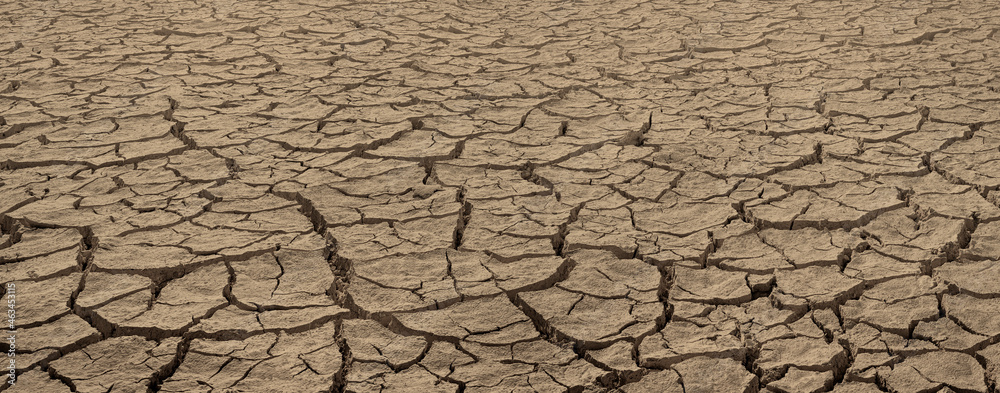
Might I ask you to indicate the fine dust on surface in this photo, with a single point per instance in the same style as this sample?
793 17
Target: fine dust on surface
496 196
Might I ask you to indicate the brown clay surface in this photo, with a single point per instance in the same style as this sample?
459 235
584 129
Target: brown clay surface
500 196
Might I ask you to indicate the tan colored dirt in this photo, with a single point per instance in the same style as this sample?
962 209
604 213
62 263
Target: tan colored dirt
501 196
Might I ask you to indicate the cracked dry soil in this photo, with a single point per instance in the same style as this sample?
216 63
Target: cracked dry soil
511 196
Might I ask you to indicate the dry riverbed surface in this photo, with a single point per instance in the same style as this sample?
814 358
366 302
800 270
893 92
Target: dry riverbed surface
500 196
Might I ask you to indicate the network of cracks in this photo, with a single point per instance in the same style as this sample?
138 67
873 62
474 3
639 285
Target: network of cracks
511 196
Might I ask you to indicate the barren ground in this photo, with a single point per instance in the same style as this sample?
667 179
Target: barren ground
497 196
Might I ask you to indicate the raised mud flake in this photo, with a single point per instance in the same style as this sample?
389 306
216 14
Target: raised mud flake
867 104
679 341
726 375
110 299
149 149
371 342
804 353
508 236
984 243
419 145
703 186
973 161
873 160
600 121
126 363
948 335
614 175
970 112
932 136
306 108
469 321
460 126
959 205
199 165
887 159
34 153
650 184
286 279
896 310
874 347
829 321
820 286
786 120
616 357
682 216
37 381
944 196
937 369
223 241
235 190
604 229
57 211
797 380
442 358
973 278
13 196
534 365
665 250
341 135
546 209
182 303
424 201
810 246
903 288
873 267
829 172
371 241
362 177
233 322
733 153
711 285
875 129
485 376
138 258
250 205
40 242
42 301
666 381
844 205
605 157
44 267
867 365
438 278
284 220
804 326
285 362
63 335
975 314
603 300
746 252
223 130
482 183
379 378
760 320
929 242
483 152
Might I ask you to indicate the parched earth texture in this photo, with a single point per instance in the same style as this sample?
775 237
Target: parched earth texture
501 196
